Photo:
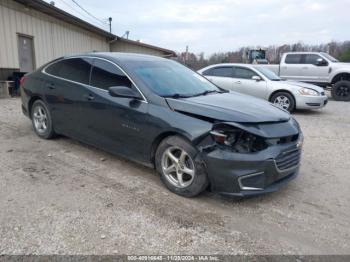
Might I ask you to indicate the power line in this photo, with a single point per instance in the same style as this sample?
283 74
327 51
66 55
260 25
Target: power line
82 8
76 10
85 16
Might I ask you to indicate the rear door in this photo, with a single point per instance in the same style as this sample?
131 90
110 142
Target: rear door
221 76
244 83
290 67
65 86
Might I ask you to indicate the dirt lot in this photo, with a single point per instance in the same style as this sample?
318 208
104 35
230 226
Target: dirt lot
62 197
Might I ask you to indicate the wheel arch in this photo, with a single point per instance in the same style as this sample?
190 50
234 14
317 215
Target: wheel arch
281 90
30 104
160 138
340 76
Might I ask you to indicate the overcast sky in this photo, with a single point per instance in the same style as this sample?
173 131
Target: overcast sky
221 25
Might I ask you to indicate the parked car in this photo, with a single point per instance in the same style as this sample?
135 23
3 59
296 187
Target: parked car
160 113
263 83
316 68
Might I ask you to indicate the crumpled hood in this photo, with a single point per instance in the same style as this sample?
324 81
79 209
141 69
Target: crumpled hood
230 107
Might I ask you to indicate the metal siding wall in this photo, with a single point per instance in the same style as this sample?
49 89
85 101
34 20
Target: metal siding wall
119 46
52 38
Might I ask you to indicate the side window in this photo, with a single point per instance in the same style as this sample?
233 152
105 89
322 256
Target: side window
311 59
74 69
105 75
224 71
244 73
207 72
293 59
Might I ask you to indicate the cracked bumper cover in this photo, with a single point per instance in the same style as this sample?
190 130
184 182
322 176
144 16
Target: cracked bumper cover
244 175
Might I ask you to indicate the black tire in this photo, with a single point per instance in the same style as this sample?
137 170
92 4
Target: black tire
48 132
341 91
200 180
287 95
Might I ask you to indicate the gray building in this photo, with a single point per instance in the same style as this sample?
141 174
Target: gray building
125 45
33 32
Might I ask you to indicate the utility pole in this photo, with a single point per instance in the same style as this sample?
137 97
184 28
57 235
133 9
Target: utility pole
186 55
110 24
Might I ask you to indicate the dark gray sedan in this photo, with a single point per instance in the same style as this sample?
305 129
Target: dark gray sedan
160 113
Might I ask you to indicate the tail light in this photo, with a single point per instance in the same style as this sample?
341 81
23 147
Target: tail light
22 80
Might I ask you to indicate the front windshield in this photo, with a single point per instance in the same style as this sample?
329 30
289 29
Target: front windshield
329 57
169 78
267 73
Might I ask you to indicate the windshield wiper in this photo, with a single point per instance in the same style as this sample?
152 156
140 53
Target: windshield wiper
175 96
207 92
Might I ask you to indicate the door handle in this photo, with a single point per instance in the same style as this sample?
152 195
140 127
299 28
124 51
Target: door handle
89 97
305 67
50 86
238 82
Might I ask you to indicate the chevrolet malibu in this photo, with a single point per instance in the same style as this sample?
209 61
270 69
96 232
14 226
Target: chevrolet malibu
157 112
260 82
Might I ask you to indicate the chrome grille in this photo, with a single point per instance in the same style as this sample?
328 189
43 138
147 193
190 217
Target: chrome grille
288 159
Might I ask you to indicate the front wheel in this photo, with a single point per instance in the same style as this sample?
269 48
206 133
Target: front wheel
180 167
284 100
341 91
41 120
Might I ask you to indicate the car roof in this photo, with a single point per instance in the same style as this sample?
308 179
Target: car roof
228 64
119 57
302 53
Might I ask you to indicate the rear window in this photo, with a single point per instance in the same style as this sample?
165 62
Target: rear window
224 71
293 59
74 69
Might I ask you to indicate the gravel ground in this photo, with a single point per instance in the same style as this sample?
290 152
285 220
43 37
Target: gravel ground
62 197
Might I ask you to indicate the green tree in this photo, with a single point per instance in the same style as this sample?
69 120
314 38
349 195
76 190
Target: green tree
344 56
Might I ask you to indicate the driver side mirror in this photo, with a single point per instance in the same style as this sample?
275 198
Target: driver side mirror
123 91
321 62
256 78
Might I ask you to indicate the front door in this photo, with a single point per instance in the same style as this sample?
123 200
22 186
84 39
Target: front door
26 53
243 83
311 71
114 123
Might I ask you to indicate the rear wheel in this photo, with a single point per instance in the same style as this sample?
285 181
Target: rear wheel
41 120
283 100
341 91
180 167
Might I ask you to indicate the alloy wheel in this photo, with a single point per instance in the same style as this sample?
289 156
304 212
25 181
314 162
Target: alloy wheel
343 91
40 119
178 167
282 102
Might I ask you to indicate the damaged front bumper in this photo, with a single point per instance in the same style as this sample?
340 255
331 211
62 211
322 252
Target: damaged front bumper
249 174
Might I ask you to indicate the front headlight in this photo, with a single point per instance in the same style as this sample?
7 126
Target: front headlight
308 92
238 140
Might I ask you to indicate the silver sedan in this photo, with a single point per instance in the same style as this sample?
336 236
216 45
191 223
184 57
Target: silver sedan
263 83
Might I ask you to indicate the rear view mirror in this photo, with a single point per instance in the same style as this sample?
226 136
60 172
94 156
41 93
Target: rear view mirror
256 78
123 91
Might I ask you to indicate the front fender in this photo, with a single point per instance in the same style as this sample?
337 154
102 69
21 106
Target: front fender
337 71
